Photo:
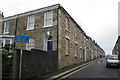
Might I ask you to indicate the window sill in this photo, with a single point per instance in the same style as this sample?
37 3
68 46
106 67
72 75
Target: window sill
76 42
67 54
6 33
67 37
29 29
76 37
67 30
80 47
76 56
47 26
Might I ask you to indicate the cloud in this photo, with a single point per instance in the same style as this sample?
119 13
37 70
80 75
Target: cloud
98 18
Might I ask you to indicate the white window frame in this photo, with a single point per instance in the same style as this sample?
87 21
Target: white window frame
75 32
6 27
67 23
81 37
80 52
67 45
30 45
30 22
4 41
76 50
1 43
50 19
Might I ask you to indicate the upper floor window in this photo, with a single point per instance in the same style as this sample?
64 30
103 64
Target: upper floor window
30 22
75 31
6 27
48 19
67 24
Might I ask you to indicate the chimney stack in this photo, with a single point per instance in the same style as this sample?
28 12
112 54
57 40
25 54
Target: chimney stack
1 15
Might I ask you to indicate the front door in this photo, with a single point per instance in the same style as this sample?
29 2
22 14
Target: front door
49 45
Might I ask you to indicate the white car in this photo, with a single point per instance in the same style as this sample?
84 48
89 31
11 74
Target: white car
112 60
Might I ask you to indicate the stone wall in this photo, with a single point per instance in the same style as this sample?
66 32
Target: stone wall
79 43
19 25
35 63
71 58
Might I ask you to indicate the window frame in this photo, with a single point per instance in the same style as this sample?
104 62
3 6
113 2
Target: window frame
30 45
46 19
6 27
75 32
30 22
4 41
76 49
81 52
67 51
67 24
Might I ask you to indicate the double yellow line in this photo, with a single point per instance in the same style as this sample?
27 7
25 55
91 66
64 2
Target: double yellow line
75 71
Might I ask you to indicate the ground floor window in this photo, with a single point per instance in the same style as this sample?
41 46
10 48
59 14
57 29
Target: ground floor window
0 43
76 50
67 46
30 45
6 41
81 51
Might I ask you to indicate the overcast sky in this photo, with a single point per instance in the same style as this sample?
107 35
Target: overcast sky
98 18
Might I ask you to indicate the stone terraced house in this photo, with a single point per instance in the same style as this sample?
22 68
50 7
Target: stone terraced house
51 29
116 49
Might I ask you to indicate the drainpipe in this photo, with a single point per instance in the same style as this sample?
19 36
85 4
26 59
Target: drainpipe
58 35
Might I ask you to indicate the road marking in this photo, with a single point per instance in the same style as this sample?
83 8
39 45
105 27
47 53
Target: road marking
76 71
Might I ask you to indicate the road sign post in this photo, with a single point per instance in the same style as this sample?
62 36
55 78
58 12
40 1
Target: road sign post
20 69
21 40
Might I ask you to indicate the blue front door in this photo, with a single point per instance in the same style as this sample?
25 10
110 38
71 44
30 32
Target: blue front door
49 45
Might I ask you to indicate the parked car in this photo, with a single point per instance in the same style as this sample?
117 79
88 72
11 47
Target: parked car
112 60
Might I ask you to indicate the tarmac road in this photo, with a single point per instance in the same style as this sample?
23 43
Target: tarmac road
97 70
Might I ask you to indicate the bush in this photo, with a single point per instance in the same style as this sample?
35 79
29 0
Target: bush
5 56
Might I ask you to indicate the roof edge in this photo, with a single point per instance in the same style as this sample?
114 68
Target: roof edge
32 12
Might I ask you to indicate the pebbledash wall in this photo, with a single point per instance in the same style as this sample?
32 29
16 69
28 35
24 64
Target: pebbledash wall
51 29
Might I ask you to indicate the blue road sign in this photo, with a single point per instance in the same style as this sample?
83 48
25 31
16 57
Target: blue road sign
21 39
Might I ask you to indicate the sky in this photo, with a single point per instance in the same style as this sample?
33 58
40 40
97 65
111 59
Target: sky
98 18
